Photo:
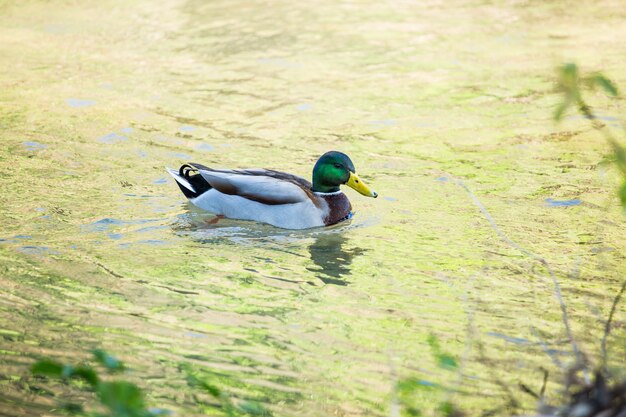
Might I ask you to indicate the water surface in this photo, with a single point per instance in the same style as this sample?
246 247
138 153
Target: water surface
445 109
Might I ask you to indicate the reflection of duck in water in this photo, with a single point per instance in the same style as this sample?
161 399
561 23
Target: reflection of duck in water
274 197
332 260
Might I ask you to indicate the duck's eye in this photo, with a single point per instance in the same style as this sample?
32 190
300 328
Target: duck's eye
337 165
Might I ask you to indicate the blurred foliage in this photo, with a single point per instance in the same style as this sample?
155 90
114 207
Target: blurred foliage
231 408
408 389
118 398
125 399
572 84
444 360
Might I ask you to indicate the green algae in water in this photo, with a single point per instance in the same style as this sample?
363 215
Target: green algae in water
310 323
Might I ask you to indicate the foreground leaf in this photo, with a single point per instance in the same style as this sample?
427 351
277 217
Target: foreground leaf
48 368
605 84
108 361
560 110
123 399
86 373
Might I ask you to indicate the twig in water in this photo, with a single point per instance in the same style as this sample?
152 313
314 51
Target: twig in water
528 390
539 259
544 346
545 382
609 320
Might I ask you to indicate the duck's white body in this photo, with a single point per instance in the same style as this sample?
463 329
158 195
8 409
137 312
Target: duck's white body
302 215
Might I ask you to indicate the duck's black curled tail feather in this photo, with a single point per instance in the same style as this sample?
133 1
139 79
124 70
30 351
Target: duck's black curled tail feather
190 173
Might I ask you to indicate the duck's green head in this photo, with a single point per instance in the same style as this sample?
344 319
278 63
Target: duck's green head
334 169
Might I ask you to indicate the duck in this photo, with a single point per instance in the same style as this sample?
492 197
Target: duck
277 198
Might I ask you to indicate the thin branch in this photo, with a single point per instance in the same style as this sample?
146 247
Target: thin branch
544 346
607 327
539 259
545 382
618 150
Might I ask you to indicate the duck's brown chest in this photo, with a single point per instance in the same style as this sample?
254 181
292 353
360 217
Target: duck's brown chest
339 208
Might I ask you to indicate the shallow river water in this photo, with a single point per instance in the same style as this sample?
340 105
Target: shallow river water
445 109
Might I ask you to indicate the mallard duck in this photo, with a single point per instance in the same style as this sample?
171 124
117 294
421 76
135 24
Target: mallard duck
274 197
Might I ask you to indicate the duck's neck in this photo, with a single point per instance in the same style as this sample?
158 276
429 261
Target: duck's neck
324 189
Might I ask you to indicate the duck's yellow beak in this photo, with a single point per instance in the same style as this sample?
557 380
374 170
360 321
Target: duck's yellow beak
355 182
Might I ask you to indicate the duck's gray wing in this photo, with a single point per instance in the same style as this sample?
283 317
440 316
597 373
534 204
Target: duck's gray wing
261 185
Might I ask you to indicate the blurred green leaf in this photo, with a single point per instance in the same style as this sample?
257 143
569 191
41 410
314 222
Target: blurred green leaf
620 156
123 399
568 77
569 69
604 83
48 368
433 342
108 361
409 385
447 361
622 194
412 412
560 110
447 409
444 360
57 370
87 373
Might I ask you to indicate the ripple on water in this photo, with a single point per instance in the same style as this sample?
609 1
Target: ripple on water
562 203
510 339
37 250
180 155
104 224
107 223
383 122
34 146
112 137
204 147
151 229
79 103
599 117
149 242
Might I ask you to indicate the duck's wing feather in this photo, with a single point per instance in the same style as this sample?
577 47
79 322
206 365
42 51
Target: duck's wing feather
262 185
